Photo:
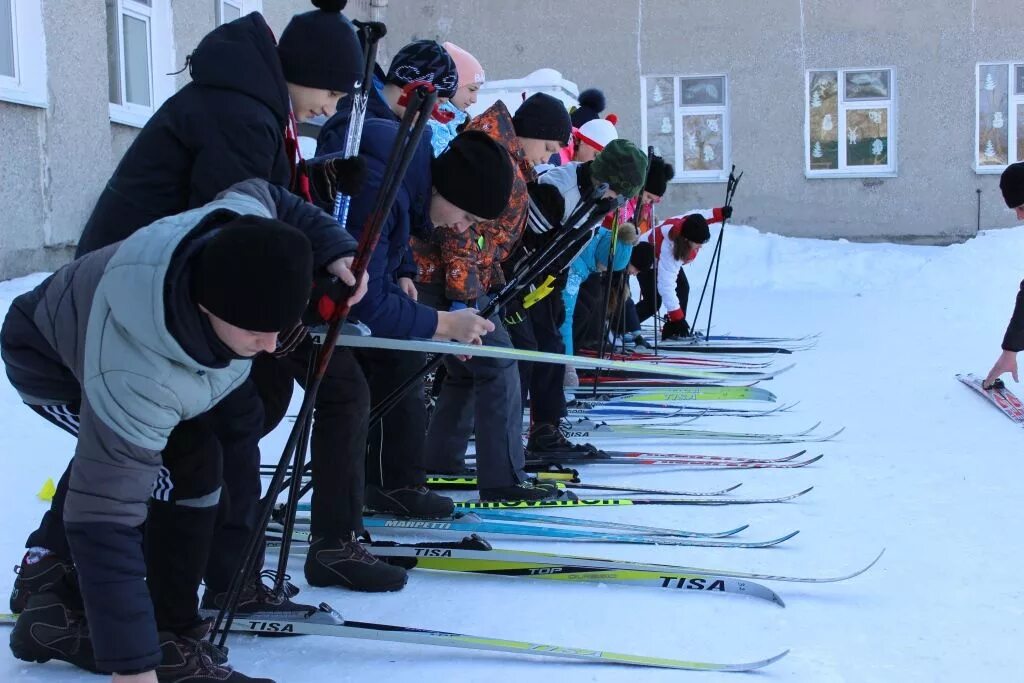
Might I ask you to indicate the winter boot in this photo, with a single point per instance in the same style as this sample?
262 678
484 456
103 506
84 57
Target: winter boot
675 329
640 344
411 501
52 627
261 603
39 570
547 440
333 562
531 489
187 659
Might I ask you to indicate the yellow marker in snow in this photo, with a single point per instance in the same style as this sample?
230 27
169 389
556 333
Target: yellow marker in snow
46 493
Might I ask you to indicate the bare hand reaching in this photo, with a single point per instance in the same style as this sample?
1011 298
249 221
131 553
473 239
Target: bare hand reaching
464 326
1007 362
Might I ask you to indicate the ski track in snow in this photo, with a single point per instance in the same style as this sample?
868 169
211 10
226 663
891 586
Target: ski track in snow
925 469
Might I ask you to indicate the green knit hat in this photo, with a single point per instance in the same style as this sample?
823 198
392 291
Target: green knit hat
622 165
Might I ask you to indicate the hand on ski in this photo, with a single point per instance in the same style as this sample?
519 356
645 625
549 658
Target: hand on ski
464 326
408 287
1007 362
342 269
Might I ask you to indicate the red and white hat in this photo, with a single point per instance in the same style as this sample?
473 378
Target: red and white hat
597 133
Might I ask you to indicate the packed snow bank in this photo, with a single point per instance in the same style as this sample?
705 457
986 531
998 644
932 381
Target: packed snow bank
925 469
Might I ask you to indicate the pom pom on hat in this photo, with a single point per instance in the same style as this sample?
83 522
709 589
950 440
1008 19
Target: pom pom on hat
330 5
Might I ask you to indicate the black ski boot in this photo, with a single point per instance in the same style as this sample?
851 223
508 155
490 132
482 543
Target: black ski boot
412 501
189 658
260 602
333 562
675 329
547 440
52 626
640 345
531 489
37 575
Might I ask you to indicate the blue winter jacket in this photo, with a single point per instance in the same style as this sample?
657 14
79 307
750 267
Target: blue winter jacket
593 259
386 308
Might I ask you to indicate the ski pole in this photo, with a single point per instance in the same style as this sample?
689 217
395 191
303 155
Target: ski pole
730 190
606 326
422 100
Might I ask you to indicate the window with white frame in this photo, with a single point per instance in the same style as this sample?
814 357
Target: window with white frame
686 120
999 124
850 123
140 58
229 10
22 52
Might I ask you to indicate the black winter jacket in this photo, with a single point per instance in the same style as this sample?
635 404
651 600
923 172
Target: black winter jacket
226 126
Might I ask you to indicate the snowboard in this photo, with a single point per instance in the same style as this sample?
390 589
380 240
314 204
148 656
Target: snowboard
998 395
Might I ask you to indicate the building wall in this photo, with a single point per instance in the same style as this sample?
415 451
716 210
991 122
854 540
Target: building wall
765 47
56 160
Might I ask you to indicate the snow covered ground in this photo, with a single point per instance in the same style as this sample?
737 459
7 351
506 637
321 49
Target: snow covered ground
925 469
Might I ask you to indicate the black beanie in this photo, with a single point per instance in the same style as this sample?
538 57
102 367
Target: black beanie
255 273
658 174
1012 185
695 228
320 49
425 60
543 117
592 103
474 174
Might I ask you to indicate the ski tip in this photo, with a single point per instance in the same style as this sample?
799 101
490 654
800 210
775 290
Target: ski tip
804 492
783 539
764 662
733 488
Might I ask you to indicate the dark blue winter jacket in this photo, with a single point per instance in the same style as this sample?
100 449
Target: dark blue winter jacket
224 127
385 308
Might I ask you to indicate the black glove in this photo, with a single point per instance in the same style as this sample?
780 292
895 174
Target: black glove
327 290
726 212
674 329
513 312
331 174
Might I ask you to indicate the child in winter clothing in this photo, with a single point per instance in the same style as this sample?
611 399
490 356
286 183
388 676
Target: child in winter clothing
234 121
131 348
460 269
557 193
593 260
471 79
676 242
1011 184
469 183
589 139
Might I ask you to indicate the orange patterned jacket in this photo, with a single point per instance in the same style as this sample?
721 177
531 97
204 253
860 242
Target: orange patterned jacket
469 263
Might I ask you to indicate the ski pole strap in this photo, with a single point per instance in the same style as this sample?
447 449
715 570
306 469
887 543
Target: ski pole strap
540 292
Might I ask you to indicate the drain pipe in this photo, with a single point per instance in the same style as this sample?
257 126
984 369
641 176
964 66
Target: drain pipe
977 228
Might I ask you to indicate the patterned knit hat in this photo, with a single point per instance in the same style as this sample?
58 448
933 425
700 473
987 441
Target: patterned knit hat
425 60
622 166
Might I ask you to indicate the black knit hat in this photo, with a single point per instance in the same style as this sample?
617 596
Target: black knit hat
1012 185
592 103
659 173
320 49
695 228
425 60
474 174
622 165
543 117
255 273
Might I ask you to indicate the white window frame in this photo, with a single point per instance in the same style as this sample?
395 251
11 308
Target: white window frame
678 111
28 85
244 7
161 60
844 171
1011 118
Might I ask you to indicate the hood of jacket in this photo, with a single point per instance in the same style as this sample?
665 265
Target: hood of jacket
242 56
